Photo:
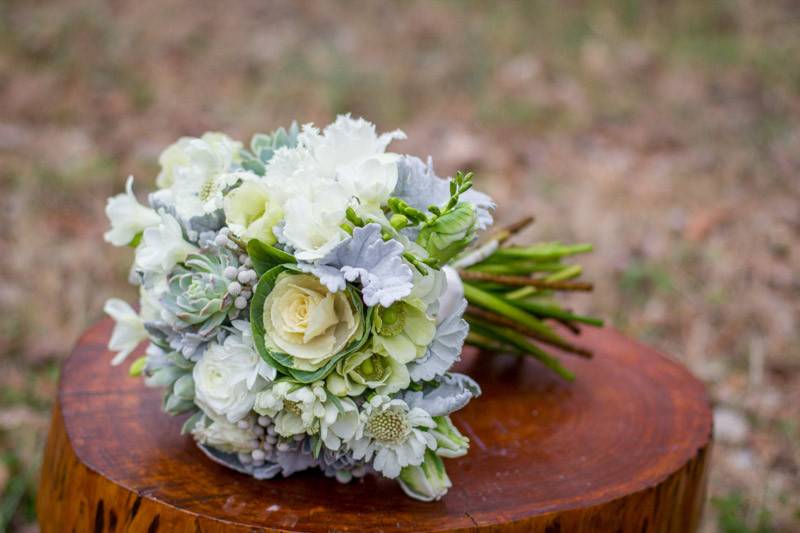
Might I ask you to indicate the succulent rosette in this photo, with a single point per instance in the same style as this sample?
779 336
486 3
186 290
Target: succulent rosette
303 300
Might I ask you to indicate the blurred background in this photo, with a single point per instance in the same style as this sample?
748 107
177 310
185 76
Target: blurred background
667 133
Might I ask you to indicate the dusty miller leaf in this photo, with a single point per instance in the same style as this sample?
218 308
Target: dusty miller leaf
367 258
445 349
448 393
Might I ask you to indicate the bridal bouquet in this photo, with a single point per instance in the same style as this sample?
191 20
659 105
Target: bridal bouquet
304 298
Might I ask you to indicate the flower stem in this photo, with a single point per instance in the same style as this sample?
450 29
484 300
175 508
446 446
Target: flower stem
521 343
494 318
549 311
496 304
522 281
569 272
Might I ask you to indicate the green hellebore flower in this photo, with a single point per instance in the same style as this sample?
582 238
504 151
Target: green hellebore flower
450 233
403 330
449 441
426 482
366 369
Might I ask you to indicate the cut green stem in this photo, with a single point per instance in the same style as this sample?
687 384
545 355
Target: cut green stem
521 343
494 318
500 306
549 311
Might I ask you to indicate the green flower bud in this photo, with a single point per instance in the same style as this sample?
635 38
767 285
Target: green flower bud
426 482
399 221
450 442
449 233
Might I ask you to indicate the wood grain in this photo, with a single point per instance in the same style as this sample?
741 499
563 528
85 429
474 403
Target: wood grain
624 448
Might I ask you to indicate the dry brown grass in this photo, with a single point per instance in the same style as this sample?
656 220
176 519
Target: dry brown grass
669 135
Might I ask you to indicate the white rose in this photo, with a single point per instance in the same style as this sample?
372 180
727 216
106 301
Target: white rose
303 319
162 246
128 331
128 217
227 379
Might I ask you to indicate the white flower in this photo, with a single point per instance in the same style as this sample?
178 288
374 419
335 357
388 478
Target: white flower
228 377
223 435
128 217
394 434
197 170
193 159
371 180
313 219
250 212
451 298
340 423
309 409
128 332
326 172
429 287
162 246
149 305
345 142
295 408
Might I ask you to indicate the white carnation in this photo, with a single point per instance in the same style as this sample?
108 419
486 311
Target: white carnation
326 172
313 220
345 142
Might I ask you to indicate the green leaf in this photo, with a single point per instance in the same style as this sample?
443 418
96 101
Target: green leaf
263 288
136 240
137 367
317 443
191 422
266 257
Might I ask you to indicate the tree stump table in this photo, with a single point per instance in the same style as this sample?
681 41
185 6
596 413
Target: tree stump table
623 448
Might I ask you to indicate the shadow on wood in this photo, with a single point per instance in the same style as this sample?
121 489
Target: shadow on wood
623 448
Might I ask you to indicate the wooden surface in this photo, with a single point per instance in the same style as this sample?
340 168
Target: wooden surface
624 448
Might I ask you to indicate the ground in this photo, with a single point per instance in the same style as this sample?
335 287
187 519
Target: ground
667 133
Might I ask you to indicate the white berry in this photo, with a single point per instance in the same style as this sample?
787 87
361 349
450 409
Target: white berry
230 272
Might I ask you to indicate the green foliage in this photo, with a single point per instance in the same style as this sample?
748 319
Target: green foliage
266 257
263 146
732 516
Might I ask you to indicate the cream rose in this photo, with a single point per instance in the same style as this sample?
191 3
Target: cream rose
303 319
